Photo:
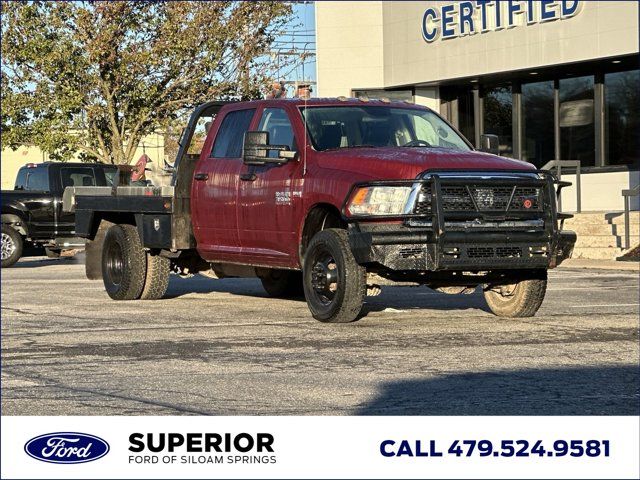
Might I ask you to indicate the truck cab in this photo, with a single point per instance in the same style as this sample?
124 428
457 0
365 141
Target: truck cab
322 195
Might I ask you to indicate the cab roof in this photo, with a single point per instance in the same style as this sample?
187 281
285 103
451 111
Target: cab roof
337 101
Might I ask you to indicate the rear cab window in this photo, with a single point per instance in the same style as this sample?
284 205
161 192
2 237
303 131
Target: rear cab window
21 179
230 135
77 177
37 179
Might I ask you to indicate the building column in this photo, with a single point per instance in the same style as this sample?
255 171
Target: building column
429 97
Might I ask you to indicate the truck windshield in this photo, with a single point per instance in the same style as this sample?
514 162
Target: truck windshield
376 126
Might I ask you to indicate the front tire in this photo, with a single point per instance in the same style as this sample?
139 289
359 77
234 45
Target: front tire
12 244
520 299
124 263
283 283
334 284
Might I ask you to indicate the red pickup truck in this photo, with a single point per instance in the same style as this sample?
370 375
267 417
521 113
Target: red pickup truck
317 196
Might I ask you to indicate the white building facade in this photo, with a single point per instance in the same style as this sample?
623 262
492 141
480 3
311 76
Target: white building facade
555 80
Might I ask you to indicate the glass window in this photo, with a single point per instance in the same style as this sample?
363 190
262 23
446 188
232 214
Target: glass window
497 117
200 134
577 134
276 122
466 121
21 179
229 138
77 177
110 174
622 113
538 136
373 126
38 179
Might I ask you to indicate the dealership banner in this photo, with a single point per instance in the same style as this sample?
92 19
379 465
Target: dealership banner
320 447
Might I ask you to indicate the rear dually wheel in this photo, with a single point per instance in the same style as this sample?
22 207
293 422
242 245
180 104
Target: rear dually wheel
124 263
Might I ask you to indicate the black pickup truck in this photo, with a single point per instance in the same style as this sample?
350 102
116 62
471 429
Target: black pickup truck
32 211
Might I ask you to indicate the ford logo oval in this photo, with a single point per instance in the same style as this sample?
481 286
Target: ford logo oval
66 447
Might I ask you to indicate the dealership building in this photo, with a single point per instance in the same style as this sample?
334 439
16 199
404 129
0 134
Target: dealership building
555 80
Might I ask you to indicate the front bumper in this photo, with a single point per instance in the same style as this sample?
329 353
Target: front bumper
403 248
447 237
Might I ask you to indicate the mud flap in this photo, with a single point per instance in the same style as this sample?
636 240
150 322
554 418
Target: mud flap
93 252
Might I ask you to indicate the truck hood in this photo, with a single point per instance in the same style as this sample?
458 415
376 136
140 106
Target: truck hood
398 163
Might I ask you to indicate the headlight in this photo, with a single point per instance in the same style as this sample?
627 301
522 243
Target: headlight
379 201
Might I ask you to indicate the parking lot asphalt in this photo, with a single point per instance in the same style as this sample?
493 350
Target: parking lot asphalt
222 347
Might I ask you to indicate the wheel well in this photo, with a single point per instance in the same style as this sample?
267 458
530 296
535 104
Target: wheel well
110 218
319 218
16 222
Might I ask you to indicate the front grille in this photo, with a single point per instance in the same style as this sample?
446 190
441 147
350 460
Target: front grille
508 252
480 252
423 205
477 198
411 252
524 194
492 198
457 199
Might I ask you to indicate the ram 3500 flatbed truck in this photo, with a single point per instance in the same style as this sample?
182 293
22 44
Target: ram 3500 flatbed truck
313 196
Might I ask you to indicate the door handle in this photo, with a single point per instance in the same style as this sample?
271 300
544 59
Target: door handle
201 176
248 177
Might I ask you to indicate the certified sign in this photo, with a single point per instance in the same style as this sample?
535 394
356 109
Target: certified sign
458 19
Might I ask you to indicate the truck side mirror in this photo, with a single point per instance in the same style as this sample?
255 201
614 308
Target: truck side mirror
256 150
489 144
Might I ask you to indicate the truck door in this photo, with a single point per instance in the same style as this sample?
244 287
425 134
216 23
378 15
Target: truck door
270 198
41 205
215 189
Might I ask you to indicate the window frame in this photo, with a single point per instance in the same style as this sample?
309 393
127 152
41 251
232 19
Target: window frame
66 167
263 111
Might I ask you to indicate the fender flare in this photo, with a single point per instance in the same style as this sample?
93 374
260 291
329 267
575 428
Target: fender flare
17 221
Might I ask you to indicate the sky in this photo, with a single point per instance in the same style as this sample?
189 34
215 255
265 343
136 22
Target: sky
299 35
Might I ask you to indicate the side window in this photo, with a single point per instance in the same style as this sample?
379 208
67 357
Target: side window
276 122
110 176
21 179
77 177
228 143
38 179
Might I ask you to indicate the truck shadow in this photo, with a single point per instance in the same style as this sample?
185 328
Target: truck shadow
392 297
40 262
611 390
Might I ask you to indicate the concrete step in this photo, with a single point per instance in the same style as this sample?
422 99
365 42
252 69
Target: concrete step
603 229
597 253
612 218
603 241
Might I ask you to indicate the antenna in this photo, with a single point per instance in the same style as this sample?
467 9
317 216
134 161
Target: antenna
304 160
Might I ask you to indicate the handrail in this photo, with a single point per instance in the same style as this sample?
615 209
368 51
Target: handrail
627 194
567 163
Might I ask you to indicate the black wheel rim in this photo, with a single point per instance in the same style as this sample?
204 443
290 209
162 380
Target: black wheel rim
325 277
115 264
